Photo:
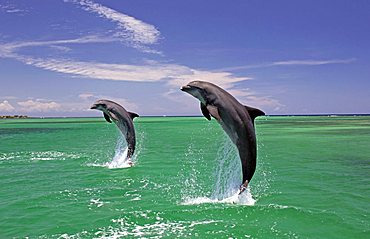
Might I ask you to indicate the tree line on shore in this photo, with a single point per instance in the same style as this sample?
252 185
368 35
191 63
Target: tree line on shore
13 116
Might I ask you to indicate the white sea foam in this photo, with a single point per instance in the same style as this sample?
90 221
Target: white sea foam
96 203
123 228
51 155
243 199
9 156
158 229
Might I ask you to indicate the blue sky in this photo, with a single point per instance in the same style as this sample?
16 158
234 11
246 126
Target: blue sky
284 57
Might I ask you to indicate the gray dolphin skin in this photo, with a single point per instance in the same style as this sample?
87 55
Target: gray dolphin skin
236 119
123 120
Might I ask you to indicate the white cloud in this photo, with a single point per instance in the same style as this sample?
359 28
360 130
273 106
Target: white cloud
86 96
291 63
38 106
10 49
265 103
5 106
81 103
133 32
251 98
88 99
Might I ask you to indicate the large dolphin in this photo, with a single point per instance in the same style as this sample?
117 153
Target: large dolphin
236 119
123 120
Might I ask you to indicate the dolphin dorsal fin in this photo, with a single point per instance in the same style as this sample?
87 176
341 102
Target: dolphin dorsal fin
253 112
205 111
132 115
107 118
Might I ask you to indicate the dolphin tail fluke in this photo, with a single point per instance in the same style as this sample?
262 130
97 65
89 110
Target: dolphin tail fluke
243 187
133 115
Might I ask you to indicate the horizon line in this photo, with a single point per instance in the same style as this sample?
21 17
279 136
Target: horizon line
145 116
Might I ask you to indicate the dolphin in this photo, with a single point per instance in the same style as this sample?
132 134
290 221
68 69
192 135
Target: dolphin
123 120
237 121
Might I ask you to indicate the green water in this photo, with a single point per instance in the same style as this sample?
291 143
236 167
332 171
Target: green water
312 180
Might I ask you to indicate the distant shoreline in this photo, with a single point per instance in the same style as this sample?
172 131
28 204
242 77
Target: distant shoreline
14 117
172 116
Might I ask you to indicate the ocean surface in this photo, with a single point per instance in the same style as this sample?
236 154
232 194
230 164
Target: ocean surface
66 178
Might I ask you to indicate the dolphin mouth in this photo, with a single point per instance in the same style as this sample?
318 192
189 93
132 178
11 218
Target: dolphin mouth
93 107
185 88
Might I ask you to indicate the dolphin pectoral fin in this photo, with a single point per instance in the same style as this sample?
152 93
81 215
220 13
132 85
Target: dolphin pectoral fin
107 117
214 112
113 116
205 111
253 112
132 115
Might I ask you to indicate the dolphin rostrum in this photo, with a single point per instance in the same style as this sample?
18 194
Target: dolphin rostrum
236 119
123 120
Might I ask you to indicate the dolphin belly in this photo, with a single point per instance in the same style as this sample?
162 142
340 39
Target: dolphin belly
233 135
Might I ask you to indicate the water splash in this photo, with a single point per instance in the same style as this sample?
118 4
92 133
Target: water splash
120 159
227 179
192 184
228 171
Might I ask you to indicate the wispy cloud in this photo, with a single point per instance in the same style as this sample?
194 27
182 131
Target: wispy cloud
8 97
291 63
313 62
10 49
150 71
133 32
174 74
11 9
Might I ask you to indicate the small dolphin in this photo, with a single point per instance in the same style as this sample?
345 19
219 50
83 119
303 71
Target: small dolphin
236 119
123 120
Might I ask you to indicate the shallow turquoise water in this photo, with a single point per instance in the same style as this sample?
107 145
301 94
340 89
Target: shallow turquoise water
312 180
